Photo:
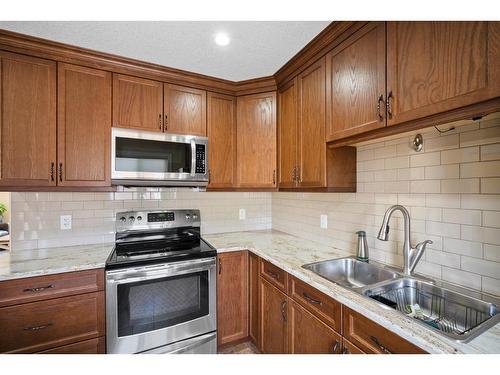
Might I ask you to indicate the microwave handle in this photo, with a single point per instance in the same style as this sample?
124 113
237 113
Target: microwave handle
193 157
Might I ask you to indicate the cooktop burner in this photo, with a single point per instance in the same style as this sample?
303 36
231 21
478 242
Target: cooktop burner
163 236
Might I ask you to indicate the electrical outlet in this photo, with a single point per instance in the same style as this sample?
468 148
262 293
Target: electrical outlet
243 214
65 222
323 221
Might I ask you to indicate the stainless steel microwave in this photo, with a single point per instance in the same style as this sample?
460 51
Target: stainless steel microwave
144 158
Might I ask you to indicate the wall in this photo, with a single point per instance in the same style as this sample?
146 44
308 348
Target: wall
35 216
452 189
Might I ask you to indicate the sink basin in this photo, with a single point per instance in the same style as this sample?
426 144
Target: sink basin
350 272
452 314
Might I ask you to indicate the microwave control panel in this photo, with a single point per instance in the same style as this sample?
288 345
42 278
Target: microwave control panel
200 159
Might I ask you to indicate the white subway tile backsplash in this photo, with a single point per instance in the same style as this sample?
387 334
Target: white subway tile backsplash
481 202
425 186
442 172
481 266
490 152
492 252
423 160
465 186
471 217
460 155
480 137
490 185
443 142
491 219
461 247
480 169
491 285
467 279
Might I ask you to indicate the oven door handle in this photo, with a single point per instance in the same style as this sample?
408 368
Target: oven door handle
131 275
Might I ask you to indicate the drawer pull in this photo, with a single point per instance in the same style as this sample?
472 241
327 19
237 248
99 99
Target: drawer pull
37 328
345 350
274 275
312 300
381 347
39 289
335 346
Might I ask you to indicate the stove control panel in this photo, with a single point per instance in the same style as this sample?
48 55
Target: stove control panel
156 219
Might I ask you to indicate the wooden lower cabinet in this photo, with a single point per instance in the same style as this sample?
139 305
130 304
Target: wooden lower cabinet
273 316
309 335
93 346
253 299
350 348
232 297
373 338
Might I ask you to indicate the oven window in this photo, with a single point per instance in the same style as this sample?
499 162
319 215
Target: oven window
142 155
154 304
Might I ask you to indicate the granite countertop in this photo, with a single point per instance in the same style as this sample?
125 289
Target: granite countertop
28 263
290 253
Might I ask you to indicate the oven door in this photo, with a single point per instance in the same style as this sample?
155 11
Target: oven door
154 158
152 306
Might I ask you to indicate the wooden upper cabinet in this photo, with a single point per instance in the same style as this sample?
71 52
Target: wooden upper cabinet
312 144
356 83
256 140
185 110
434 67
232 297
273 319
221 131
288 135
137 103
84 126
27 121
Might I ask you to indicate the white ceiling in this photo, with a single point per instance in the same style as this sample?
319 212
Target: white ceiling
257 49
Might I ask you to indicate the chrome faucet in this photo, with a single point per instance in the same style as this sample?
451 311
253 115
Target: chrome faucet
411 256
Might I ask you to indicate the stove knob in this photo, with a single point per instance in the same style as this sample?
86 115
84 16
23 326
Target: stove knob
188 217
195 216
139 218
132 219
123 219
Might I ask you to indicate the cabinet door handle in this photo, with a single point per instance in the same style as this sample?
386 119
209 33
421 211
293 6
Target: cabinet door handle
274 177
380 346
345 350
60 172
52 167
389 104
38 289
294 173
166 123
283 311
220 266
299 175
159 122
312 300
37 328
273 274
380 100
209 175
335 346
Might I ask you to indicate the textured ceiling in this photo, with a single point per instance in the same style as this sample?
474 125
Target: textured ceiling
257 49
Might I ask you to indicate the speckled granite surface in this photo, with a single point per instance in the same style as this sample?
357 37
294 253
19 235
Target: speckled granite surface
28 263
290 253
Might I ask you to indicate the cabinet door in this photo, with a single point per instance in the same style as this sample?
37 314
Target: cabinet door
232 297
309 335
84 126
356 83
256 140
253 308
185 110
434 67
137 103
312 143
288 135
92 346
27 121
221 140
273 318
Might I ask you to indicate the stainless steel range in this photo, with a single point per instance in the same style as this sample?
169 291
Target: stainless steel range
160 285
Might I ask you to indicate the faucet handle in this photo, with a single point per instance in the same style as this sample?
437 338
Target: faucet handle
423 245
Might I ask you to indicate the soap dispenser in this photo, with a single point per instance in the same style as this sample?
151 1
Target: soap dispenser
362 254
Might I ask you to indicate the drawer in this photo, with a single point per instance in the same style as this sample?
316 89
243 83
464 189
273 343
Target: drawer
92 346
321 305
350 348
274 274
37 326
373 338
31 289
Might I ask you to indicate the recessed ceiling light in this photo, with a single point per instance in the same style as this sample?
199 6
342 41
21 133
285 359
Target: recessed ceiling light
222 39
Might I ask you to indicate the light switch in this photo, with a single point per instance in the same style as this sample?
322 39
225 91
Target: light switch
243 214
323 221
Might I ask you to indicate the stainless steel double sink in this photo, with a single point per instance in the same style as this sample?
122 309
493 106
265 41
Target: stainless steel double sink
453 314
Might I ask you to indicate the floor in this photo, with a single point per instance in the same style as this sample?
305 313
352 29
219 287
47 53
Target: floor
244 348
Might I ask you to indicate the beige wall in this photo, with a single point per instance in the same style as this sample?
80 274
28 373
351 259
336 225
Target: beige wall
452 189
5 199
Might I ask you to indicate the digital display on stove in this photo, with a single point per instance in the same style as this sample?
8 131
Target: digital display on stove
160 216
